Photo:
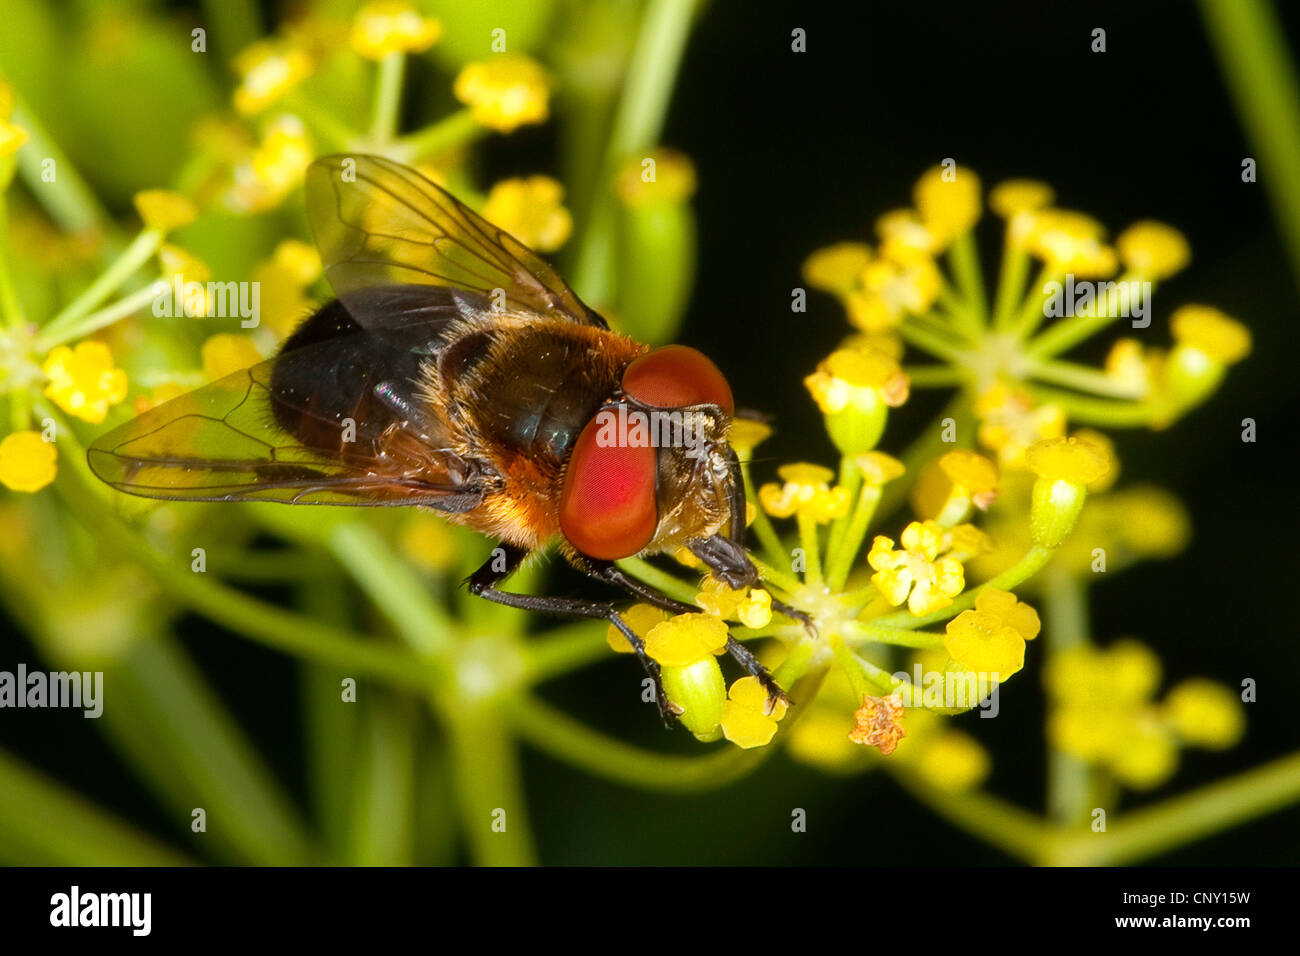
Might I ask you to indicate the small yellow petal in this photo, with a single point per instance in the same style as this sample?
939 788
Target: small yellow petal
27 461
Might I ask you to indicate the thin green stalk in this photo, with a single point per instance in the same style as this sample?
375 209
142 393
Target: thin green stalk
1082 377
566 739
11 309
67 198
457 129
485 767
963 256
43 823
839 563
931 341
1251 44
394 588
65 325
383 810
388 96
1069 780
637 124
1171 823
48 338
1011 285
810 542
669 584
565 649
762 525
1114 413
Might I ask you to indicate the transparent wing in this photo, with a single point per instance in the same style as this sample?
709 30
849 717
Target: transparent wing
379 223
228 441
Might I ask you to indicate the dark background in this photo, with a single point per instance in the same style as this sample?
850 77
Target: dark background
795 151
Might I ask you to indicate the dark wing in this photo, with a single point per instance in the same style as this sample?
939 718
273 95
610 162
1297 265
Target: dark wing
379 223
336 418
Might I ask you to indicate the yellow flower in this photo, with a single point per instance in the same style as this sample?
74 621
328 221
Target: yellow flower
267 70
1205 714
11 138
226 352
1014 196
391 26
83 381
1068 459
751 606
282 280
641 618
1010 422
749 719
836 268
904 236
888 289
806 490
879 469
856 379
180 267
274 169
946 489
685 639
1132 366
879 723
429 542
916 573
1221 339
505 92
27 461
164 210
952 762
1070 242
673 180
745 435
991 638
1152 249
948 200
531 210
299 259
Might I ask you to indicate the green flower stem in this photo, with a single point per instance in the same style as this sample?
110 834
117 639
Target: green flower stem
849 479
808 540
11 309
1069 780
489 787
785 581
382 821
1082 377
1007 827
638 122
388 96
874 633
49 337
69 201
43 823
762 525
457 129
67 324
256 620
1140 834
963 257
1101 411
1011 286
564 649
1020 572
953 311
559 735
334 133
933 376
175 730
394 588
1033 309
1069 332
840 562
1249 39
669 584
930 341
864 676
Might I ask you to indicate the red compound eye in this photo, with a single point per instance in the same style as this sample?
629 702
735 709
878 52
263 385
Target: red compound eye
676 376
607 507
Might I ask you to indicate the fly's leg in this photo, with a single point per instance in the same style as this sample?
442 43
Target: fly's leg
483 583
611 573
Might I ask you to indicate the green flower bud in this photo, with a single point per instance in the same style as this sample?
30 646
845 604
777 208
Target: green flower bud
701 693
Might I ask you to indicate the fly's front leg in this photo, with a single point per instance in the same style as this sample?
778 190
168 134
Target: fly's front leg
607 571
483 583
